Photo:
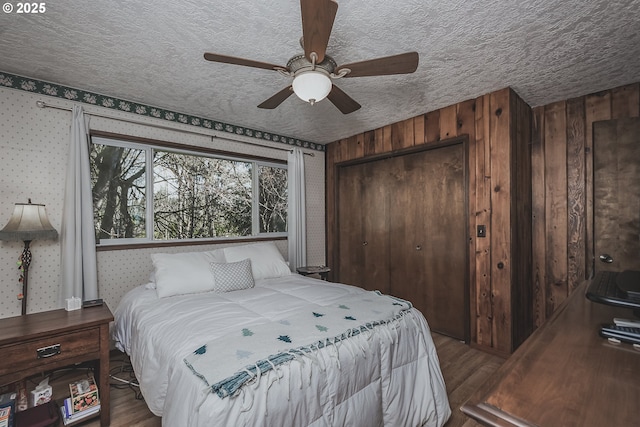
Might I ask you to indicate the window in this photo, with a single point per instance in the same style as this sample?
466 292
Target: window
144 193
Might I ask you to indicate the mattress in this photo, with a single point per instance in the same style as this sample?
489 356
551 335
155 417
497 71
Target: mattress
383 379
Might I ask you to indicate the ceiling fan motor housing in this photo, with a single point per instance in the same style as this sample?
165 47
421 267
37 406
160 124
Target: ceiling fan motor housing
301 63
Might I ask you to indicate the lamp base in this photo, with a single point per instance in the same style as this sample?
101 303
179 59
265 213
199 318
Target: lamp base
26 261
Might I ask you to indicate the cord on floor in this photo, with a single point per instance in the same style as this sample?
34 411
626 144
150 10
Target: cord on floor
122 376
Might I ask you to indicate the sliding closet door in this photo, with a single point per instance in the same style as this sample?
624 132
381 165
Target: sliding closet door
350 233
362 226
428 244
402 230
375 226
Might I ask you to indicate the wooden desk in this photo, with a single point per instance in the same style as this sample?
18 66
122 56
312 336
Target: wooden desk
71 337
565 375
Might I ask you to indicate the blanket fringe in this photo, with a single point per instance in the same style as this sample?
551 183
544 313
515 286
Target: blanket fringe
253 374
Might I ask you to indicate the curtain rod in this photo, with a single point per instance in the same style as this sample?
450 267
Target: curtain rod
42 104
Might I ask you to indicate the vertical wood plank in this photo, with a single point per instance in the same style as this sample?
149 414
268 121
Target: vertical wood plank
358 149
538 225
556 209
467 126
521 284
576 182
330 211
625 101
597 107
501 193
409 136
466 112
448 122
418 130
344 149
432 126
379 141
397 136
465 118
386 139
484 308
369 141
350 148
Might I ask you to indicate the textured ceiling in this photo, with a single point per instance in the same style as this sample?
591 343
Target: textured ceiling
151 51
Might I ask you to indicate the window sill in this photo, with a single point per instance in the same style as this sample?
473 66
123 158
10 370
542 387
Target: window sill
198 242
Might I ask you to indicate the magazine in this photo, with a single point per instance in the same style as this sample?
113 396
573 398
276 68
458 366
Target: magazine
84 395
69 417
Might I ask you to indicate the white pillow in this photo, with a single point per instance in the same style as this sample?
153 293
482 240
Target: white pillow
232 276
184 273
266 259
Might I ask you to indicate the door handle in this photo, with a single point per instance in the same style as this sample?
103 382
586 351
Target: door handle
606 258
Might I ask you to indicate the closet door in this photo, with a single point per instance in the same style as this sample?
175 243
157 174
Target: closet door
350 229
362 226
375 226
402 230
428 246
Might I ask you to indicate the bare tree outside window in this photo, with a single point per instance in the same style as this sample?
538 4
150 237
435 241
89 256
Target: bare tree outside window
273 199
194 195
197 197
118 188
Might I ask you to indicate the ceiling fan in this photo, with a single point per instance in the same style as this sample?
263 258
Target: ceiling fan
313 71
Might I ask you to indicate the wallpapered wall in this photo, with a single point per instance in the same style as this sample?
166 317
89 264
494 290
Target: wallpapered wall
34 144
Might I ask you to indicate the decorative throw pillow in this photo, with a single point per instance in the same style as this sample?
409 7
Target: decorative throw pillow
232 276
266 259
184 272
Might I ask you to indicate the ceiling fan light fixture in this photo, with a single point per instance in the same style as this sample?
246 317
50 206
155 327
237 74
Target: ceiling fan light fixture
312 86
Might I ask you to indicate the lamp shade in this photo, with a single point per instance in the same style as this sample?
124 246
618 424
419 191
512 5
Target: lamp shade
28 222
312 86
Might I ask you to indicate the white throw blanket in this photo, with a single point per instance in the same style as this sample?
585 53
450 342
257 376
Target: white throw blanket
244 355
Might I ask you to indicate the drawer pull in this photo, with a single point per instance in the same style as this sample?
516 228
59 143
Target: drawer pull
49 351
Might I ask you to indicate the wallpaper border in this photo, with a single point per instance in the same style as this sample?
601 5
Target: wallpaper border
60 91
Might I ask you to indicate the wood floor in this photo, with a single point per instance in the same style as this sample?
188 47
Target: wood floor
464 370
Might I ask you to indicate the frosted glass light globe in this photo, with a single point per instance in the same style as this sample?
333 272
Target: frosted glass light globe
312 86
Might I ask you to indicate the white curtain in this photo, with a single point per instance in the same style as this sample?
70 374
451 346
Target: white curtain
79 276
296 215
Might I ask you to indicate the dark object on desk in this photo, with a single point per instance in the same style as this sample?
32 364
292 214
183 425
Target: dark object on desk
92 303
629 283
45 415
622 333
322 270
605 288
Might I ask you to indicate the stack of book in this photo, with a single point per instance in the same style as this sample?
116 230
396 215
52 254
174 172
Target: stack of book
83 402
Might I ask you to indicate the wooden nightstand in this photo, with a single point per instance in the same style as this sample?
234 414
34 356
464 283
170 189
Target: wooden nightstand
315 269
53 339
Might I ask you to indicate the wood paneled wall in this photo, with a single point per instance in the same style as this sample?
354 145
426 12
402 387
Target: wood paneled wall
560 168
562 187
498 126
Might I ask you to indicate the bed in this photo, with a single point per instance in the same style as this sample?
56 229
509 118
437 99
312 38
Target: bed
183 329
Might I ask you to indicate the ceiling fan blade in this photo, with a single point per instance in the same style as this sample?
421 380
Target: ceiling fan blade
317 22
214 57
277 99
344 102
404 63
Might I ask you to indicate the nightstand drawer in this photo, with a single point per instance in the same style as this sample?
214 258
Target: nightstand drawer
29 354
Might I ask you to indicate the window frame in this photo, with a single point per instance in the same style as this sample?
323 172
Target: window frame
151 145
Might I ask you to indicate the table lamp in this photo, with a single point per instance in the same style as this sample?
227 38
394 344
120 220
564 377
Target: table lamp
28 222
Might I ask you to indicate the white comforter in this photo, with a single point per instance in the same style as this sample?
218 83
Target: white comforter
383 379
